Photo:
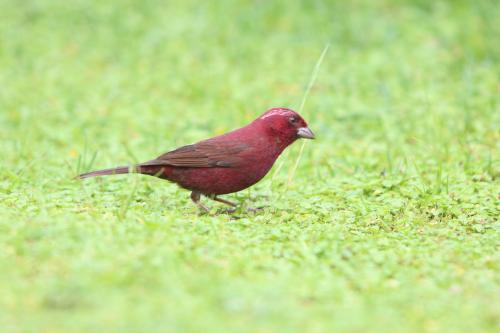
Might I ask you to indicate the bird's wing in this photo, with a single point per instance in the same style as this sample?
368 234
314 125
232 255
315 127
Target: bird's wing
204 154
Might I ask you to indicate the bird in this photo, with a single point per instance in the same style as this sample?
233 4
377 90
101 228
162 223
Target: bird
226 163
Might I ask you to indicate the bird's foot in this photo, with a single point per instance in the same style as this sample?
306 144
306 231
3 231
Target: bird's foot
204 209
240 209
195 196
255 210
230 210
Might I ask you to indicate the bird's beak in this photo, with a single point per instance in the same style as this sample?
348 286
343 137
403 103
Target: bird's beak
305 132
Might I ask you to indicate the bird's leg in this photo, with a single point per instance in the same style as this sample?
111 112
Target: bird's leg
232 204
226 202
229 203
195 196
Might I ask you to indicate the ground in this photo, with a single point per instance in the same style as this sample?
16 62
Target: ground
389 224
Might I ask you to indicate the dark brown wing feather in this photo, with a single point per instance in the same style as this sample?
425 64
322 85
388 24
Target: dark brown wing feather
205 154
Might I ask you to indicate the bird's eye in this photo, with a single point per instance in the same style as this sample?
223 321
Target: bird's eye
292 120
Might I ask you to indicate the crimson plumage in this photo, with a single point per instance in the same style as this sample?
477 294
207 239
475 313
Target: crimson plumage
226 163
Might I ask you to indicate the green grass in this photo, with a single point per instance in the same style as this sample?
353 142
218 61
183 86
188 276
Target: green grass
390 223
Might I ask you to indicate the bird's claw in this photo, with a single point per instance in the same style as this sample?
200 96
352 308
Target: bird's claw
255 210
248 210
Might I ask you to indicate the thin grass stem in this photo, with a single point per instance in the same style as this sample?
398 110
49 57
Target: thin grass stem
312 80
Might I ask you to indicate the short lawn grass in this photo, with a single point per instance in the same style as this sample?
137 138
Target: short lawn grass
390 223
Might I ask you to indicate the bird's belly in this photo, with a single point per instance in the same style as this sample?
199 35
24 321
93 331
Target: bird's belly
218 180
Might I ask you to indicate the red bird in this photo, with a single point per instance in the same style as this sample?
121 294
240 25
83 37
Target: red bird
226 163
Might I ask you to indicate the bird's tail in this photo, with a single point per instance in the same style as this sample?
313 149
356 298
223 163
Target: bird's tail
106 172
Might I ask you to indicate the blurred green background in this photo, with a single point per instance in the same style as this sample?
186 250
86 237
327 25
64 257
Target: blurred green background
390 223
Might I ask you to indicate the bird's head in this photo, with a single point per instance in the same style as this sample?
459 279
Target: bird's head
285 125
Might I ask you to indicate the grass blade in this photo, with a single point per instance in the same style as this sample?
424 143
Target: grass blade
312 80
